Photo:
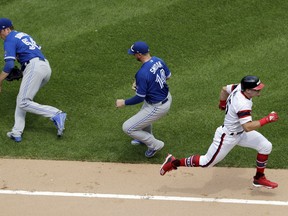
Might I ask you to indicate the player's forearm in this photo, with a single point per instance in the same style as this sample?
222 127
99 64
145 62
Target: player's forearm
253 125
134 100
3 76
224 94
223 97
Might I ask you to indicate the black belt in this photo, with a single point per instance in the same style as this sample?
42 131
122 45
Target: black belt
162 102
234 133
26 63
23 66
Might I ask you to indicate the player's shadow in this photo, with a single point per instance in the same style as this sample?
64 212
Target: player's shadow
226 180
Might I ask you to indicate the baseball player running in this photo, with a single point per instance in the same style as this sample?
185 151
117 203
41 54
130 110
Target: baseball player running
238 129
151 87
36 73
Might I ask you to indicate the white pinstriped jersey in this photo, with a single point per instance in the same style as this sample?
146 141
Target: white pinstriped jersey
238 109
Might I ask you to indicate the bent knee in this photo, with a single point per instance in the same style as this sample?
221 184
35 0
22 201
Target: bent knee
266 148
126 128
24 103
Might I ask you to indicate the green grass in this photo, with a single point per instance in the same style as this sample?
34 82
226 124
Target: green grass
207 44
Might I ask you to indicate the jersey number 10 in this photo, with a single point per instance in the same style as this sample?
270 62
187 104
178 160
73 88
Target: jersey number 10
161 79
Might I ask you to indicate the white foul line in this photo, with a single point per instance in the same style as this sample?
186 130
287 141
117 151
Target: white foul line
143 197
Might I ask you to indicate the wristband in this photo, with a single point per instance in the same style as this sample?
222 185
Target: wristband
263 121
222 104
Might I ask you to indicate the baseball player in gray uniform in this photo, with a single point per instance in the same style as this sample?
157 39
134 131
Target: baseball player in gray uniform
238 129
152 89
36 73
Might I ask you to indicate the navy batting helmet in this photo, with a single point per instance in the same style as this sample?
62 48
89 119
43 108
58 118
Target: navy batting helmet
251 82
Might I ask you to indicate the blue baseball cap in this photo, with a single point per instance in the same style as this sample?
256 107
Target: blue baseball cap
5 23
138 47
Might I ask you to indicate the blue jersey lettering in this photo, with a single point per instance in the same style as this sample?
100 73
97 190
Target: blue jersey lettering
155 67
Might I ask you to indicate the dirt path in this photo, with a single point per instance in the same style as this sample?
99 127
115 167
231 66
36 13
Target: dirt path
142 182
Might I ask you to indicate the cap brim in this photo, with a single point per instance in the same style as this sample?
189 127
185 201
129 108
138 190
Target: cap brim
259 87
130 52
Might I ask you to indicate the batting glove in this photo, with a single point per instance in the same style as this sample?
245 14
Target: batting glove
272 117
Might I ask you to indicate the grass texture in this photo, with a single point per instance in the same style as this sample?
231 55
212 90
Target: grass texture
207 44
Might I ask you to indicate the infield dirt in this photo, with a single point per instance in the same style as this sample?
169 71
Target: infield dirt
133 179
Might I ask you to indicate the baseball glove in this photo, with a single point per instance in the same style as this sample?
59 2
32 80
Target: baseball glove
15 74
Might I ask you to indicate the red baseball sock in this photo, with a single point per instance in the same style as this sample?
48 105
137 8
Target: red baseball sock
192 161
261 164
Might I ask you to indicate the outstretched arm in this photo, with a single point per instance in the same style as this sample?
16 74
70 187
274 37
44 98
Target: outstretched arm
253 125
131 101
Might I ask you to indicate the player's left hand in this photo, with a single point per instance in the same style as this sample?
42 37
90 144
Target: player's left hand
120 103
272 117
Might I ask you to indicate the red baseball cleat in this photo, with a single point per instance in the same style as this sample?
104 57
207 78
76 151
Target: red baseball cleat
167 165
263 182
